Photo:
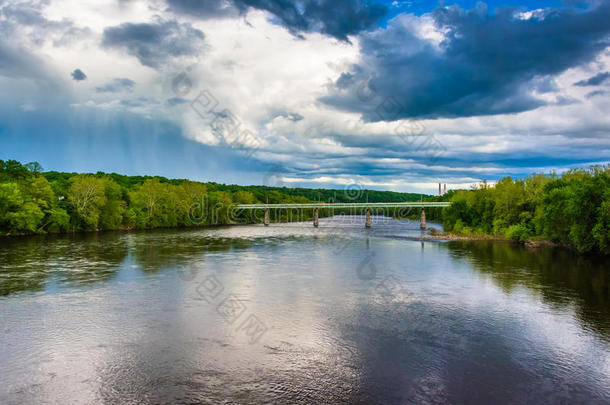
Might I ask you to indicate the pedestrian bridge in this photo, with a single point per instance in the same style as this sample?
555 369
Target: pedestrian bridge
366 206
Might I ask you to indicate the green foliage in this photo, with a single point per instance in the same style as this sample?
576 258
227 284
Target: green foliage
27 218
36 202
12 170
59 220
86 194
27 200
573 209
518 232
10 198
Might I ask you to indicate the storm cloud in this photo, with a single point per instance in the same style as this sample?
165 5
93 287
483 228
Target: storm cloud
155 43
337 18
596 80
78 75
485 63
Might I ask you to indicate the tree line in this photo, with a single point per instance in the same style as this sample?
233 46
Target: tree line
34 201
572 209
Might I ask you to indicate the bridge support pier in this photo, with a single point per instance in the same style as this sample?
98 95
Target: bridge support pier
315 217
367 224
422 225
267 217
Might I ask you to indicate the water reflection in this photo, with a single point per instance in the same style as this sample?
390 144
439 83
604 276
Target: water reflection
39 262
354 315
561 277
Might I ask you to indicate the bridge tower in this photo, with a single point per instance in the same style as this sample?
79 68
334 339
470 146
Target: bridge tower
367 224
266 216
315 217
422 224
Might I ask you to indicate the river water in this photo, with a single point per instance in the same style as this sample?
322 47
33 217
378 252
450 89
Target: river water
292 314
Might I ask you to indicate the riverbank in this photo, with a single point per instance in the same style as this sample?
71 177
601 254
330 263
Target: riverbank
531 243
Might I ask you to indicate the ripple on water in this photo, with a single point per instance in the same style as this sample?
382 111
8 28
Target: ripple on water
122 317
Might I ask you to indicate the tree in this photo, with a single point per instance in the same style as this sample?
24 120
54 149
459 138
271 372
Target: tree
149 201
12 170
26 219
86 194
58 220
111 213
243 197
34 167
601 231
10 201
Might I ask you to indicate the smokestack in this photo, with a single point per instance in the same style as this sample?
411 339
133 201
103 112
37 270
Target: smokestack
445 189
439 189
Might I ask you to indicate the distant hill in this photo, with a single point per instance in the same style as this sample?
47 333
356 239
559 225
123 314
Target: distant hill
348 194
262 193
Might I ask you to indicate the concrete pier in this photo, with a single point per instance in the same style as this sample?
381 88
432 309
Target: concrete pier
315 217
368 218
267 217
422 225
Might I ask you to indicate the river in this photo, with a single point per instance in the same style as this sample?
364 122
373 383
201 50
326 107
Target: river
293 314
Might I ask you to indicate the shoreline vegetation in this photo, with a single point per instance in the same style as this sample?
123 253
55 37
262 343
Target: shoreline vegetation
529 243
36 202
570 210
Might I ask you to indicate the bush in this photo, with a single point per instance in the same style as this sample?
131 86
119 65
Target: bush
518 232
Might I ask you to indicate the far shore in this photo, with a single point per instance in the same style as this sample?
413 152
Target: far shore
533 244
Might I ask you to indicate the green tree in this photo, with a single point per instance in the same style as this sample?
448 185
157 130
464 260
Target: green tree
150 203
10 201
12 170
26 219
111 213
86 194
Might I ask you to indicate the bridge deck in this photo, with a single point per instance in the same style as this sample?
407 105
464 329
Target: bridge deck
344 205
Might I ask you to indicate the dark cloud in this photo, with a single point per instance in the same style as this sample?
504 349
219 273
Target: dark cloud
175 101
487 63
595 80
338 18
204 8
116 85
78 75
155 43
596 93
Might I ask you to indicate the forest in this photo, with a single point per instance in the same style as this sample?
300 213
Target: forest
572 209
33 201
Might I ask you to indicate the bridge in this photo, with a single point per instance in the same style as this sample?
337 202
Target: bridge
365 206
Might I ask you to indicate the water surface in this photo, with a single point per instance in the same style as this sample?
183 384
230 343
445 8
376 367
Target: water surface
293 314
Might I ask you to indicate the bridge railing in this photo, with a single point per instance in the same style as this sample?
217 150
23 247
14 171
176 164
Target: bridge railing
344 205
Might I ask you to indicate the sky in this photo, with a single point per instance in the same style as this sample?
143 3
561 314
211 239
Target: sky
388 95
